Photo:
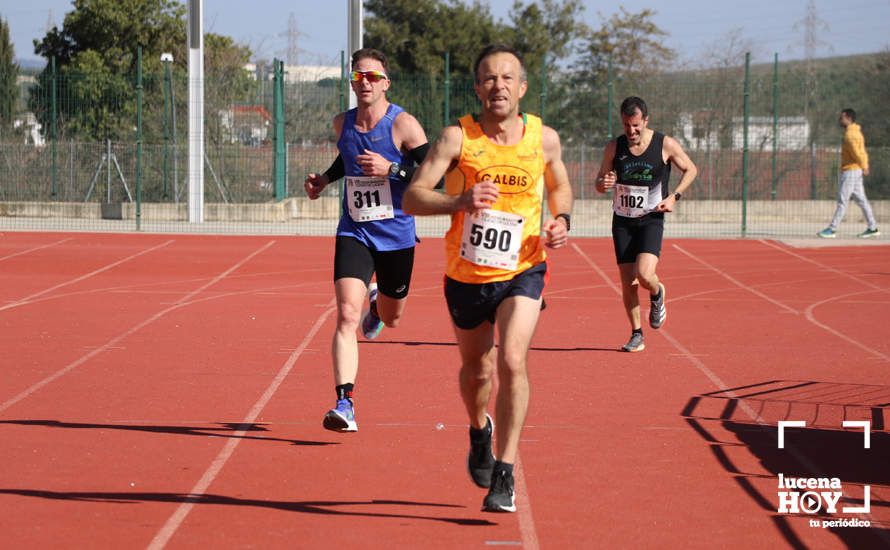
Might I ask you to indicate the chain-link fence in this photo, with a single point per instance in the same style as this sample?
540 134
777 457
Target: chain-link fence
73 161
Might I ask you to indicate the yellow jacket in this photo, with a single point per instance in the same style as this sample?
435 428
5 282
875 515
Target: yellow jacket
853 155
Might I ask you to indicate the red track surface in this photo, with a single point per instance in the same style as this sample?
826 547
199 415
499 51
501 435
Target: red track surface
167 390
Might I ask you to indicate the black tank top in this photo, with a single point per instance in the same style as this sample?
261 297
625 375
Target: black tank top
646 170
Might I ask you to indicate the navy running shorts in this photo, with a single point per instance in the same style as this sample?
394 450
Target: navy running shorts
393 267
633 236
471 304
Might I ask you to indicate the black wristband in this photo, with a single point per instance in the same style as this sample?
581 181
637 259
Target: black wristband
567 218
337 170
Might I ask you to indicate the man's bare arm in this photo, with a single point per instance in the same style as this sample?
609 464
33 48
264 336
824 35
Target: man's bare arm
559 190
421 199
606 177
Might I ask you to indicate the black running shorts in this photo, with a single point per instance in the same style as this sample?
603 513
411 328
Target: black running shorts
633 236
393 268
471 304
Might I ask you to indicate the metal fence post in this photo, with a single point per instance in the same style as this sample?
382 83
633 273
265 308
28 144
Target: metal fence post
278 160
167 105
446 104
775 123
139 138
746 114
611 92
54 130
342 81
543 86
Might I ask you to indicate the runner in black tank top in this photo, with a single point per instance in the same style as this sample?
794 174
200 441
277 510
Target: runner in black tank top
640 200
646 170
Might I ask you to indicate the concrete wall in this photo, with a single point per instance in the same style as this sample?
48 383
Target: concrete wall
325 208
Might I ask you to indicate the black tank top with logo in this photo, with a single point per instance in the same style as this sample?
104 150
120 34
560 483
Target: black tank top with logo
645 170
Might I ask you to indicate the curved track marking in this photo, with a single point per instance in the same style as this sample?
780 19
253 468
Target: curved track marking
812 318
808 314
717 381
824 266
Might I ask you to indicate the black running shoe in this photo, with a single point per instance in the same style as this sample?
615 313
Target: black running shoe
500 497
480 460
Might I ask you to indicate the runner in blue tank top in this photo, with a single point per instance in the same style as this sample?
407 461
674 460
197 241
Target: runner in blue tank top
637 167
379 145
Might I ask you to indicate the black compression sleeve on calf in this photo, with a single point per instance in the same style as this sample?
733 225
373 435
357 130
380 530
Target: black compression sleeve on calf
337 170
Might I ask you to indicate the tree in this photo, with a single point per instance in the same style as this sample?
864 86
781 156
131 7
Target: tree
9 70
415 34
95 53
547 31
634 45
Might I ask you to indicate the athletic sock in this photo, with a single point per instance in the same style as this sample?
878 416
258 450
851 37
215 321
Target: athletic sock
344 391
656 297
637 331
478 434
502 466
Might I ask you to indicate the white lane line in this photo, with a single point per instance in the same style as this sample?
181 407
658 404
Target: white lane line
117 339
735 281
808 314
527 531
175 521
28 251
717 381
811 318
824 266
25 300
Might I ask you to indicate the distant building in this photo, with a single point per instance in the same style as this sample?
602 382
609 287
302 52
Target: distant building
245 124
295 73
700 131
794 133
27 123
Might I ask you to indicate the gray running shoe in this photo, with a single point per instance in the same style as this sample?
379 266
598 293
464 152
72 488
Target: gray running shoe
635 343
500 497
657 311
480 460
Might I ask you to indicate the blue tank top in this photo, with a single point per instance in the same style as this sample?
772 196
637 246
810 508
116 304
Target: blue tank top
394 233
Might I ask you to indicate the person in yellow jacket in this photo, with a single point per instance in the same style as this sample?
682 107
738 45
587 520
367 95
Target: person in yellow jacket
854 165
496 166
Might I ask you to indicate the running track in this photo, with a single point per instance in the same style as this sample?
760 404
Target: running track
167 391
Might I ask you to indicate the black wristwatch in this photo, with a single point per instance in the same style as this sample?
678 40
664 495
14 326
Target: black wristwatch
568 220
678 196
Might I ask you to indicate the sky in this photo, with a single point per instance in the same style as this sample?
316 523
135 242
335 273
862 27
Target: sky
695 27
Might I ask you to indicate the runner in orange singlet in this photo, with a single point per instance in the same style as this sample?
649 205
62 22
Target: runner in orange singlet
496 165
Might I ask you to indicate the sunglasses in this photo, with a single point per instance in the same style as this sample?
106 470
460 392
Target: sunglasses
371 76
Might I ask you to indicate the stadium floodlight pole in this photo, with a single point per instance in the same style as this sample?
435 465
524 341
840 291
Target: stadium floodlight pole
196 111
354 40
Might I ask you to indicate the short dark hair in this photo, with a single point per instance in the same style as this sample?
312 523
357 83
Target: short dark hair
632 104
851 114
492 49
371 53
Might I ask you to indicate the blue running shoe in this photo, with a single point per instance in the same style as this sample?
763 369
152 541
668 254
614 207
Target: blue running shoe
342 417
371 323
827 233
